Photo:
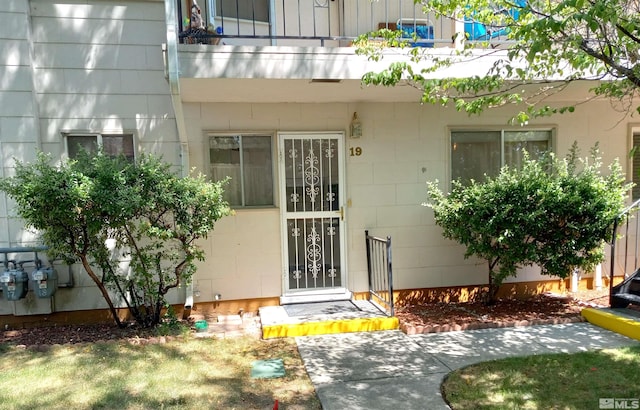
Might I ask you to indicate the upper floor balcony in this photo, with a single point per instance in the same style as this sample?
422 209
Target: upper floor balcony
302 40
323 23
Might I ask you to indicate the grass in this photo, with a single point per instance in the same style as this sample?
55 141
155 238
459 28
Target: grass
556 381
184 373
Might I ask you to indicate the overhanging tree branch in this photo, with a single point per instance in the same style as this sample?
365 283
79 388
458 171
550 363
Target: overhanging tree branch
570 40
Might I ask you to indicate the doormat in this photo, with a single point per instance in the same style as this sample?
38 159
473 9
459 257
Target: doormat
320 308
267 369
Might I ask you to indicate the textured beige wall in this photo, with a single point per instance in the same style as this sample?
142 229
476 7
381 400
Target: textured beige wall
98 67
403 145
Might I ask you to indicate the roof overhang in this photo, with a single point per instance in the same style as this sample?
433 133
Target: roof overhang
271 74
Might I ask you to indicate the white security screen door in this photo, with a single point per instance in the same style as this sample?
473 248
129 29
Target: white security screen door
311 180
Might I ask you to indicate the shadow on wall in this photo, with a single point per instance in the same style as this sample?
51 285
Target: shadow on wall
457 294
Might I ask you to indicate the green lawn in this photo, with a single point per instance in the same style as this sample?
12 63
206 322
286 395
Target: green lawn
559 381
184 373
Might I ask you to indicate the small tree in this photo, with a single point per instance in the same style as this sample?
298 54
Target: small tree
133 226
551 213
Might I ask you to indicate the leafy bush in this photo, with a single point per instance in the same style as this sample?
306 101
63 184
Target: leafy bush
138 223
554 213
170 325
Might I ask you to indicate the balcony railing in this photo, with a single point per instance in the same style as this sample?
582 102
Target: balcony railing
326 23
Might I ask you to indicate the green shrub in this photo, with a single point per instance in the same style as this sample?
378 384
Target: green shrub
554 213
133 226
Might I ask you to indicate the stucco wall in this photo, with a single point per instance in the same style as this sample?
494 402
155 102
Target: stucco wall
403 145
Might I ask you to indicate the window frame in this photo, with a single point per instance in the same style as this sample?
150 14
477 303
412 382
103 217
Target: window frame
634 168
99 139
551 129
273 157
213 13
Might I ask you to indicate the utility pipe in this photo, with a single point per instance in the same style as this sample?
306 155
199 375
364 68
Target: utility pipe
35 249
172 71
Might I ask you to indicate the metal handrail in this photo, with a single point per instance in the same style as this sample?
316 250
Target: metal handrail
380 272
625 216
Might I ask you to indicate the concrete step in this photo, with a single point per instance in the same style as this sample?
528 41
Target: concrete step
326 318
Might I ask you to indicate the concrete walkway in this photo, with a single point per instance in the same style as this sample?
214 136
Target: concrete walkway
391 370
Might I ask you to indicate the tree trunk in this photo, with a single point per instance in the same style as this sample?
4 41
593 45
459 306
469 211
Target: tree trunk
492 293
103 290
489 297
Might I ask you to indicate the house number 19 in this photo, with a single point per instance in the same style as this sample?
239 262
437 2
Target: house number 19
355 151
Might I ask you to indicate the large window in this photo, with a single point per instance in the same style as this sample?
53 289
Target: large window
112 144
475 154
635 168
246 159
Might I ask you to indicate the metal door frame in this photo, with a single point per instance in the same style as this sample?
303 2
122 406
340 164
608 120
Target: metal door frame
318 294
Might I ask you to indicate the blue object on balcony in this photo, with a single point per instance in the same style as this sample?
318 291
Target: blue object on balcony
423 30
481 32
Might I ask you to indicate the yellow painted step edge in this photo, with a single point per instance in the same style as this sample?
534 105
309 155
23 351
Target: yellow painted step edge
330 327
615 323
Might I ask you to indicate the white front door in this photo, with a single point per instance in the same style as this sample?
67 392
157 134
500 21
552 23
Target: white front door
312 199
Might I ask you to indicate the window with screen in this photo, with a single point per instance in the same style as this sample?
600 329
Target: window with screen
475 154
635 168
112 144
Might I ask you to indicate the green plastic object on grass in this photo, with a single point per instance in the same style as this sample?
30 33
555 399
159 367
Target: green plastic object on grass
201 326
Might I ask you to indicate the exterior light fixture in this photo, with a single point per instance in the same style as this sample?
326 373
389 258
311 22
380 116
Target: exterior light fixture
356 126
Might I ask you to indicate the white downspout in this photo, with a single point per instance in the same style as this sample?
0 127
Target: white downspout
172 72
598 277
34 90
575 280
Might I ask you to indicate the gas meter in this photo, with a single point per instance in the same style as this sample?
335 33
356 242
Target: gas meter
44 281
13 281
